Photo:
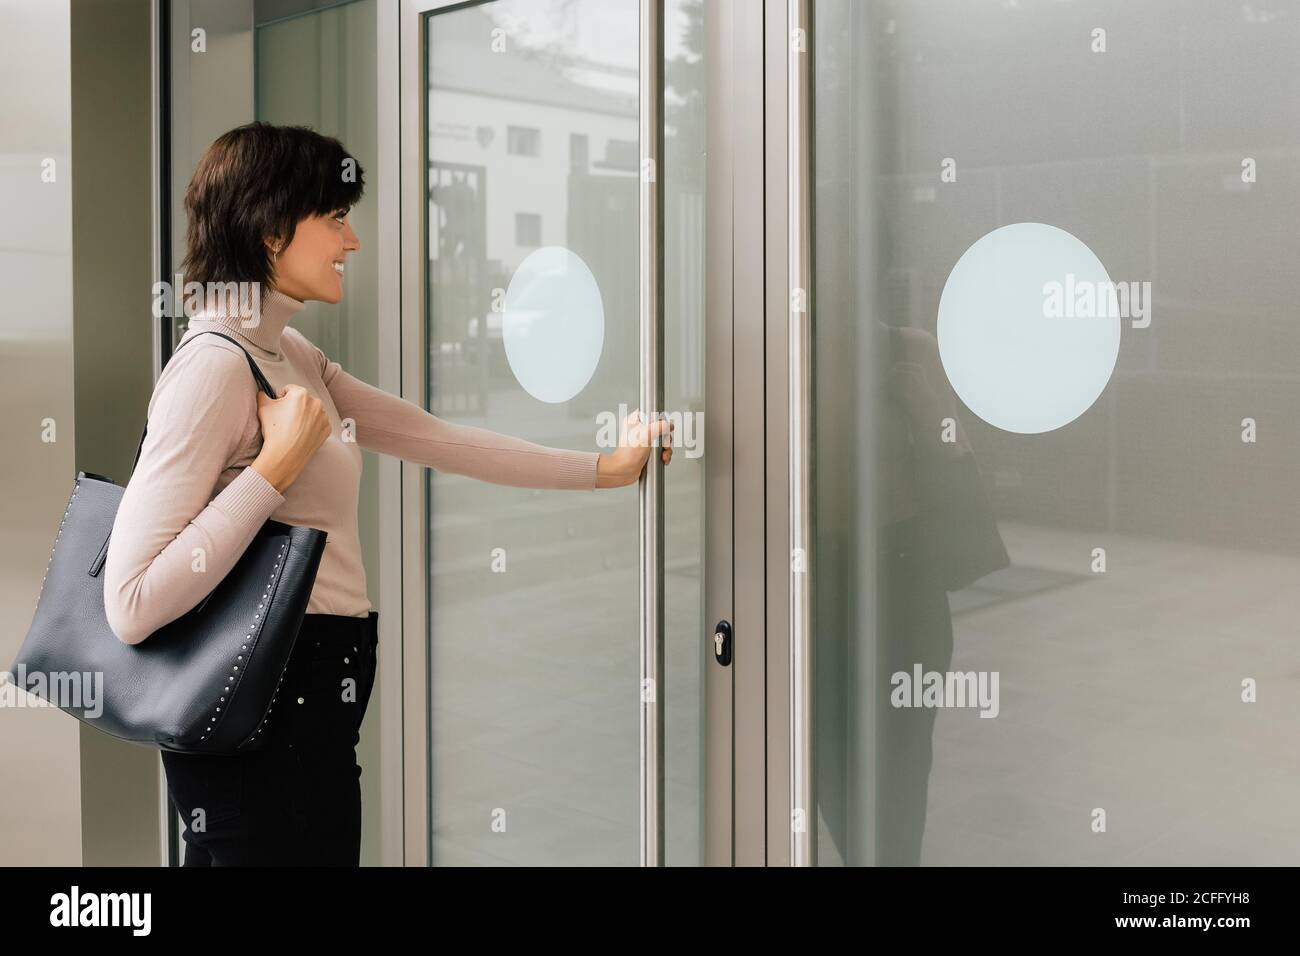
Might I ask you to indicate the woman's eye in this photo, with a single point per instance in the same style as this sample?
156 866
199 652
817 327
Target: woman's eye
339 217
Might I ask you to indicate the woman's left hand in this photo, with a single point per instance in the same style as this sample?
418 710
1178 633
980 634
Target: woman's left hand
624 465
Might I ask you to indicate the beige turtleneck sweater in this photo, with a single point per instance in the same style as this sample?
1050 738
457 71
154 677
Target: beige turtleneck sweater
193 505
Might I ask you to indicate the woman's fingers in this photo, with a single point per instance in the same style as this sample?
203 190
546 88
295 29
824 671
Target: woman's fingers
660 429
639 434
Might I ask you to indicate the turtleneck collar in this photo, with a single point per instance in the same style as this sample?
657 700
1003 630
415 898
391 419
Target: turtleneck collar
262 331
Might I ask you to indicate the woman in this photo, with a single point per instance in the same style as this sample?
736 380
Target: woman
934 532
938 534
269 206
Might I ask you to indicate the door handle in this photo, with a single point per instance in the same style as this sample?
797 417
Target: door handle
722 643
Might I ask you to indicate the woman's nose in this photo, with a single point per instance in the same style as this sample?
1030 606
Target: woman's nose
350 240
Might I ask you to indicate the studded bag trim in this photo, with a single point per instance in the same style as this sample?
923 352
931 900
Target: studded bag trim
204 683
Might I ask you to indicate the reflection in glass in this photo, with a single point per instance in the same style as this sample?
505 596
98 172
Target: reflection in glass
532 594
532 126
1149 594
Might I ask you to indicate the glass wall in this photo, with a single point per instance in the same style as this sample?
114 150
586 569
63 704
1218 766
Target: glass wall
1055 364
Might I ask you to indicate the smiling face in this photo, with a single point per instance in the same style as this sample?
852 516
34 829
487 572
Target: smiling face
312 265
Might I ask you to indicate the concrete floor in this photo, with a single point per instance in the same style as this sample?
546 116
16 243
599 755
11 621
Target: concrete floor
1123 692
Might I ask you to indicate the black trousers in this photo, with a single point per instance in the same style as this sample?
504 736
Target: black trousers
298 802
913 625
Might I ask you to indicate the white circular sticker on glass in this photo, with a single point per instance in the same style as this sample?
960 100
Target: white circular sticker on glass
1029 328
554 324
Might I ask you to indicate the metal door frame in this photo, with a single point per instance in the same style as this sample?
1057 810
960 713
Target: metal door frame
788 163
769 107
721 779
392 472
741 121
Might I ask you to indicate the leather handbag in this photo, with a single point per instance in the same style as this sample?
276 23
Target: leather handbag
955 531
203 683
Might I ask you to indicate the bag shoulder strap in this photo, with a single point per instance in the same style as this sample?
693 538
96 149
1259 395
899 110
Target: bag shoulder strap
262 383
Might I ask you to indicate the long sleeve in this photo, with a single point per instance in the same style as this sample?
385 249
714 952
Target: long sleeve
172 542
391 425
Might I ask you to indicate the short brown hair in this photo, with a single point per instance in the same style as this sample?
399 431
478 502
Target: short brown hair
255 183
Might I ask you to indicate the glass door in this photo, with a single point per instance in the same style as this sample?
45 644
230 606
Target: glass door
1055 363
524 169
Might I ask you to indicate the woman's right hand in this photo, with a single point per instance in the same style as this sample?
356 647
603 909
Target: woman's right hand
293 427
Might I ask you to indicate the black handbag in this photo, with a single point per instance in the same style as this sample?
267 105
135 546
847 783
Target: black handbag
205 682
955 532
